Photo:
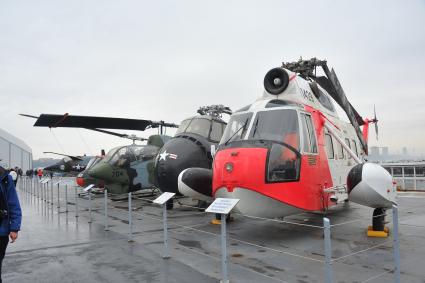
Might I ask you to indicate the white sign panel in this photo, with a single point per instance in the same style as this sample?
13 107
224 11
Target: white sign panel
58 182
44 181
222 205
88 188
163 198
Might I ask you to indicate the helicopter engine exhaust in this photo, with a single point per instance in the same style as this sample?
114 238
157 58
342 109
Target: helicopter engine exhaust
371 185
276 81
196 183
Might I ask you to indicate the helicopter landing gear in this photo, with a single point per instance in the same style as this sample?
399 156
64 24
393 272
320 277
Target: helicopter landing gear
378 228
217 219
202 205
170 204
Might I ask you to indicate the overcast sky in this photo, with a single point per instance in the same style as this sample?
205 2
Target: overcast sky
161 60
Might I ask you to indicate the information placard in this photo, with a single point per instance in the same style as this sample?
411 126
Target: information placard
222 205
164 198
88 188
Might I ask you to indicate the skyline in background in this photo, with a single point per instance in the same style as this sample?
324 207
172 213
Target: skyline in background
162 60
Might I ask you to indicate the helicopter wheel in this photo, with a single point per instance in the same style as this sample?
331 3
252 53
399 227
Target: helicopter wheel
170 204
202 205
378 220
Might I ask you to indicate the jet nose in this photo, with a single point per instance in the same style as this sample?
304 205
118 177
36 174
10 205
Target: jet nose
102 171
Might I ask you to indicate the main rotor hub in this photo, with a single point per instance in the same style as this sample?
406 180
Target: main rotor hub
215 110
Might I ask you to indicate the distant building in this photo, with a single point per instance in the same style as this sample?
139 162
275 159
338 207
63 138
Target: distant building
14 152
374 151
404 151
385 151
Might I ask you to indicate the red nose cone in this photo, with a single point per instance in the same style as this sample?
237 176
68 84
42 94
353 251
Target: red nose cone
80 181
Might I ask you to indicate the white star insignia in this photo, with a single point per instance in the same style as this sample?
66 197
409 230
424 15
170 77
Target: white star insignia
163 155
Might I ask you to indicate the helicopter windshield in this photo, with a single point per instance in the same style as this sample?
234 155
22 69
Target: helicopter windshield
236 128
93 161
277 125
123 156
209 128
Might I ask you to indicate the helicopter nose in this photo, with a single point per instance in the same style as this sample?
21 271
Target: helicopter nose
102 171
80 181
176 155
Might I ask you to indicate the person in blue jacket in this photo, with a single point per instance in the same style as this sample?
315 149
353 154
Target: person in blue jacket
10 213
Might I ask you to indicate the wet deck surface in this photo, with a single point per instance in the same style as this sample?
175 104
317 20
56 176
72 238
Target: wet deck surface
58 247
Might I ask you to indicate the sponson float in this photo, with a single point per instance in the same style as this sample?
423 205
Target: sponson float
290 152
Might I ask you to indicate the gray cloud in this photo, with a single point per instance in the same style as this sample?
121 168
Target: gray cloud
163 59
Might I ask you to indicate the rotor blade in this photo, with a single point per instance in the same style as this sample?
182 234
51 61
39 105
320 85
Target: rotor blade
70 156
376 122
343 102
131 137
109 132
327 85
91 122
30 116
376 130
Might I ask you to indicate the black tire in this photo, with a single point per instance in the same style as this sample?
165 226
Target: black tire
170 204
202 205
378 220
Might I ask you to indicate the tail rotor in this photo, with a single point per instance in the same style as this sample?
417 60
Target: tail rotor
375 121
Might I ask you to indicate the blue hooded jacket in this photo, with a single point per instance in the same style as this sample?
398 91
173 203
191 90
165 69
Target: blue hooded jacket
7 190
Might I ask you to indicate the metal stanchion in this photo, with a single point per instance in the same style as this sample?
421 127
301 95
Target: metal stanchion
130 220
59 202
105 205
396 245
162 200
66 198
223 206
76 201
328 250
164 220
224 258
89 192
51 193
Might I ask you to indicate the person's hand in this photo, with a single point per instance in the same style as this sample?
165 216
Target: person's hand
13 236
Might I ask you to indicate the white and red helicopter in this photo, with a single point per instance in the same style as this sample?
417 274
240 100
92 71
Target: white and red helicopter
289 151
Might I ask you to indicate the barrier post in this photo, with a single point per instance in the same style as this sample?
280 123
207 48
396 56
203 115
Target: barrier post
51 193
224 258
328 250
89 192
105 205
59 202
162 200
130 219
76 201
165 254
396 245
223 206
66 198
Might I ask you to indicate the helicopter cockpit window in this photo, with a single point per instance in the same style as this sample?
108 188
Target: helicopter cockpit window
216 131
236 127
326 102
145 152
183 126
111 153
123 157
310 145
200 126
277 125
